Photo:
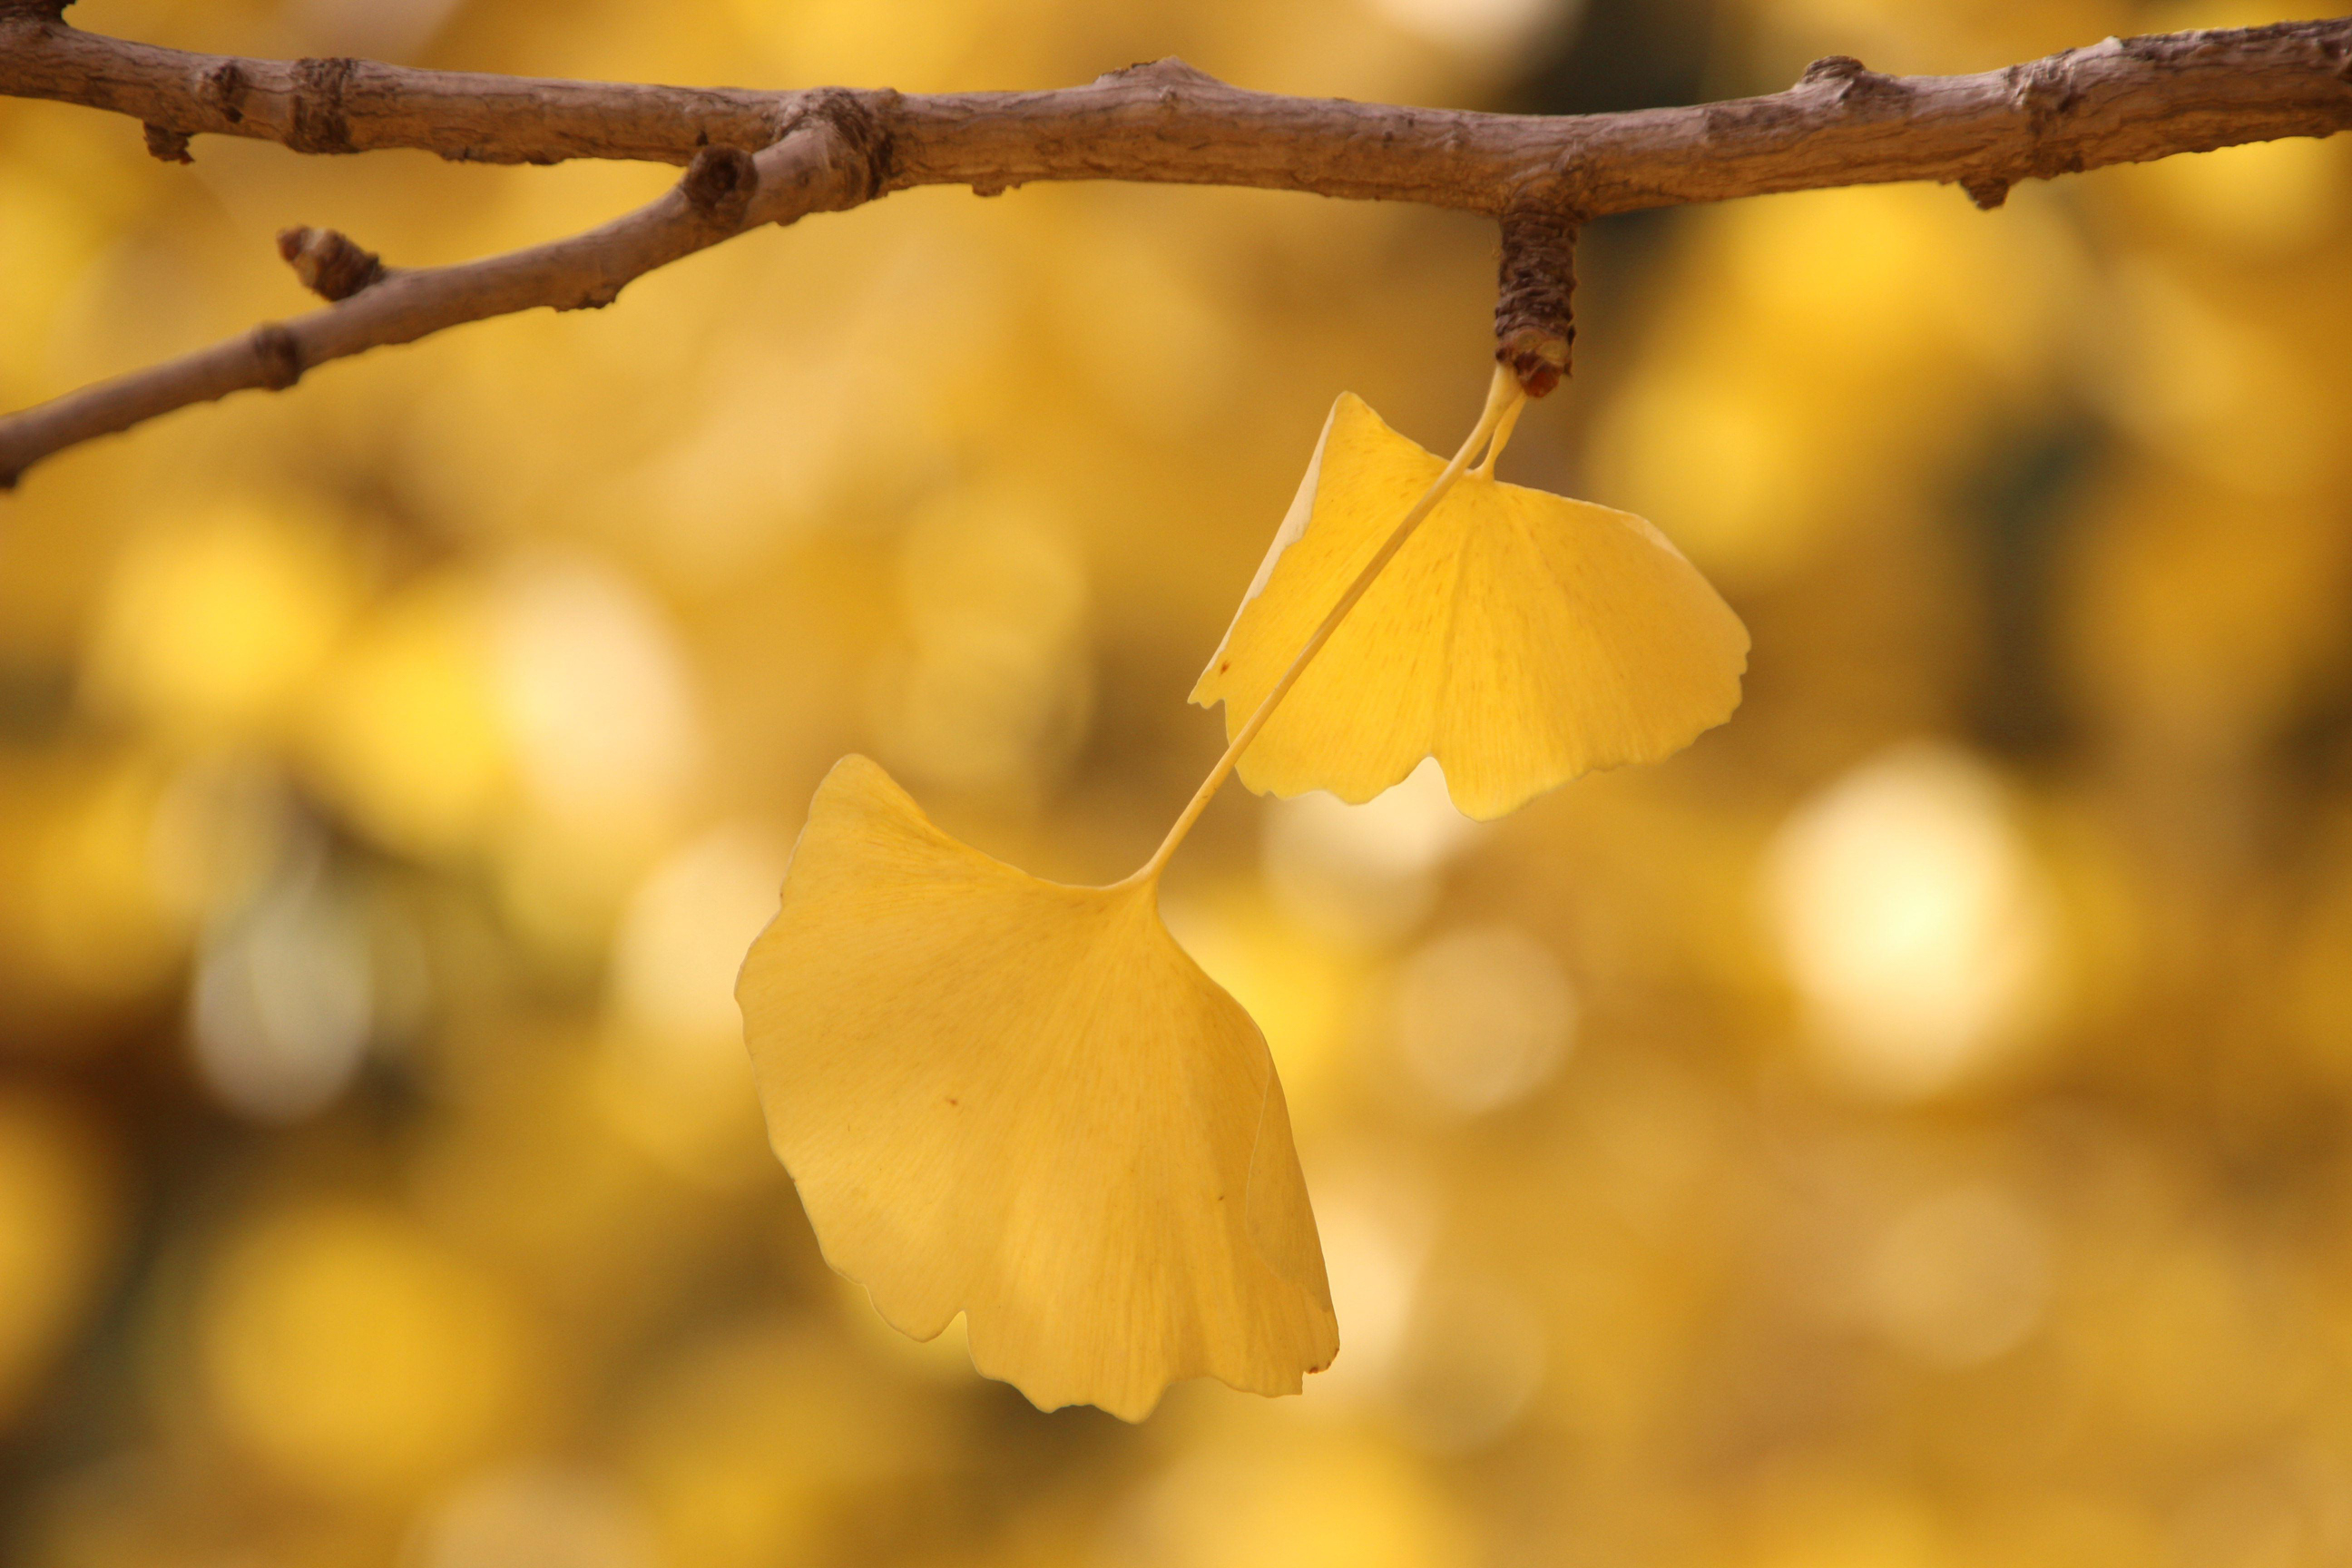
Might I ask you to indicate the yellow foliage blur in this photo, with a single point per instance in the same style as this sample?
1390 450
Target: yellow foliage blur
1908 1130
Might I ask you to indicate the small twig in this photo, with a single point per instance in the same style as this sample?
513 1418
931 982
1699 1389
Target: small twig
727 192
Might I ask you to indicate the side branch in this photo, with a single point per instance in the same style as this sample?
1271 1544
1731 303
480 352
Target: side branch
2121 100
727 192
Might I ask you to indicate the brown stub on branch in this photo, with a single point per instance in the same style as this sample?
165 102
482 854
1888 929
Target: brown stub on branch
169 145
1987 191
718 184
329 264
1534 321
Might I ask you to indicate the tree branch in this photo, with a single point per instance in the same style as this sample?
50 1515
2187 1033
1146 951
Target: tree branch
2123 101
726 192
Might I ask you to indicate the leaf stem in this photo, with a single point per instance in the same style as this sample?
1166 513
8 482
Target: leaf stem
1503 428
1504 400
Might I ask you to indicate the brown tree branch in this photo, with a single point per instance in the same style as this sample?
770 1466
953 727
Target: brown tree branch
725 193
2121 100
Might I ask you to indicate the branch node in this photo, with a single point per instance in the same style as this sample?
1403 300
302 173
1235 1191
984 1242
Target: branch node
49 10
169 145
866 135
719 185
1852 79
279 355
1535 323
319 125
2045 93
1834 68
1168 70
329 263
222 89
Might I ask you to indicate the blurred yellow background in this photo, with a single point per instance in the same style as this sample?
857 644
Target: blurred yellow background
1907 1130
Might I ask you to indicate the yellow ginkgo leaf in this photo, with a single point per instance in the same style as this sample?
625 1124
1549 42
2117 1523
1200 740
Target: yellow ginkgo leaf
1520 637
1022 1101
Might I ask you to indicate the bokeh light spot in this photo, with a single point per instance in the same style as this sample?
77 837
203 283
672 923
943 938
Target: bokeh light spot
538 1516
1324 1497
1961 1277
993 691
1917 925
677 1077
353 1352
214 624
1482 1017
406 737
1474 1361
283 1003
1364 874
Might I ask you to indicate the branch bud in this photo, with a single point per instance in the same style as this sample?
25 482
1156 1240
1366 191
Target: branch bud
718 184
329 264
277 354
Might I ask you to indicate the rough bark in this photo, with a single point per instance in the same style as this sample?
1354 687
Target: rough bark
2121 100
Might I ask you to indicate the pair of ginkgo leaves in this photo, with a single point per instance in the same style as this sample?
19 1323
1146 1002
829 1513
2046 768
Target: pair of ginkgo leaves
1024 1102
